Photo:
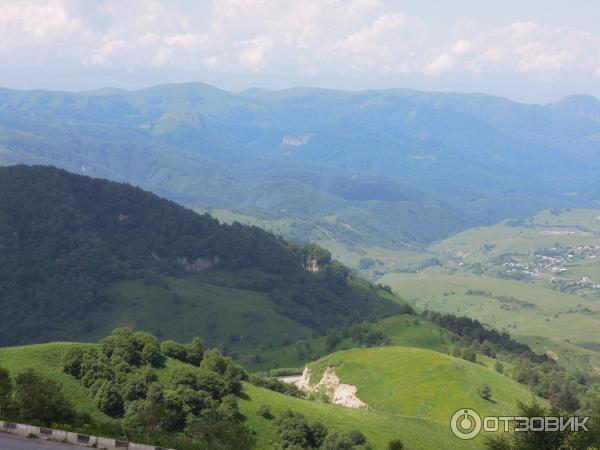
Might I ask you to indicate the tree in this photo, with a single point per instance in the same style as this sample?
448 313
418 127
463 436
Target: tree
41 398
109 400
293 430
150 349
567 399
233 374
499 367
318 433
485 392
142 415
195 351
6 387
532 440
469 355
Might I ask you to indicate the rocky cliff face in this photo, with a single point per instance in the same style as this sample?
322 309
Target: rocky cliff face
330 384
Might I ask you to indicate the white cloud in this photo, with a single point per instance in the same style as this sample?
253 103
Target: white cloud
101 55
368 38
23 23
148 39
440 64
462 47
187 40
162 57
255 52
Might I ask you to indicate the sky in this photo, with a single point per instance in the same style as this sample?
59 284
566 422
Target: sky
528 50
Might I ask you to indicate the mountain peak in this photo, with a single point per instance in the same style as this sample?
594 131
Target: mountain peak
580 106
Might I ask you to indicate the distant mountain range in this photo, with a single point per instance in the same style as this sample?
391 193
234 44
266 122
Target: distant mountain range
394 168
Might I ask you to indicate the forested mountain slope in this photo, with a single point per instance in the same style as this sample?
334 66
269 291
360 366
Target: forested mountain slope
78 253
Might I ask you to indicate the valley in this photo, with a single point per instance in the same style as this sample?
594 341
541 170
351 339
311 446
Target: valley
299 225
402 343
423 293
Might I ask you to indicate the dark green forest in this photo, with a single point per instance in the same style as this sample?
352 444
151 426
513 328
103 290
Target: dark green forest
65 238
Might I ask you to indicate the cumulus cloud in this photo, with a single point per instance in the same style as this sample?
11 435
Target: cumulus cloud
255 52
370 37
34 23
100 55
187 40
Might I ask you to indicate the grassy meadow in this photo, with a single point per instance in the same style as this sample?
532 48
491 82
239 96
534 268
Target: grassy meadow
550 317
416 430
423 383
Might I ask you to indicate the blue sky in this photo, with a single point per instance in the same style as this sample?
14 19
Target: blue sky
532 51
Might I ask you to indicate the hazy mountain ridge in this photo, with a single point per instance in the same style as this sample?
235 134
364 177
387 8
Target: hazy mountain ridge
455 159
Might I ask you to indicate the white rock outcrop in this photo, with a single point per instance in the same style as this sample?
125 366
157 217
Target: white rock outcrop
337 392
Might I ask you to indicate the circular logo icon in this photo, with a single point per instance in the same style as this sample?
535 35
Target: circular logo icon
465 424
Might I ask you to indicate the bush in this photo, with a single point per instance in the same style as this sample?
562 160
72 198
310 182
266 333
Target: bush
294 431
395 444
499 367
347 441
40 398
265 411
485 392
356 437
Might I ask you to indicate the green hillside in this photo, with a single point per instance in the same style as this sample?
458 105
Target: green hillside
423 383
404 330
418 433
82 256
379 427
47 359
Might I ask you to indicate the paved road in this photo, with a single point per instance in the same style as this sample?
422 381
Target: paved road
11 442
291 379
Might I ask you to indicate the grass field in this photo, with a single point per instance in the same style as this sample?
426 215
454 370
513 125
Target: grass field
417 433
440 291
572 357
378 427
588 219
233 319
544 230
411 331
423 383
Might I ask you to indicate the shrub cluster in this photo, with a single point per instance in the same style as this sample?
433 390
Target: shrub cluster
296 432
34 398
120 376
275 385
